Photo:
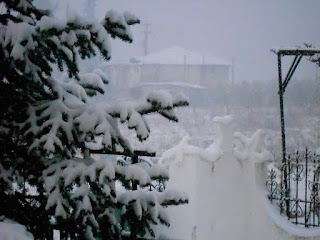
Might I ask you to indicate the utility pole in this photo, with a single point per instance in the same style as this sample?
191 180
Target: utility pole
146 32
232 69
232 82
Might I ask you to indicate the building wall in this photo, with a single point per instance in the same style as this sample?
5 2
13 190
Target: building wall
128 75
214 76
123 75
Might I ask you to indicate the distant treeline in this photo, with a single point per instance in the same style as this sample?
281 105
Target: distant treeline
300 93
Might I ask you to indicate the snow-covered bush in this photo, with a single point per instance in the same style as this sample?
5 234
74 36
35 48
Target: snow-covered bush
46 121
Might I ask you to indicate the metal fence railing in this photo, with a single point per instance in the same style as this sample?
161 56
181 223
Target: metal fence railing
294 185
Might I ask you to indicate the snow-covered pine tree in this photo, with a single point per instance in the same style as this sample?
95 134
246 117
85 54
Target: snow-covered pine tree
46 121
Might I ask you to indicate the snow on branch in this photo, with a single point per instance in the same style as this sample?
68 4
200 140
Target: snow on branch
118 25
33 46
148 206
163 103
130 18
67 119
25 8
85 177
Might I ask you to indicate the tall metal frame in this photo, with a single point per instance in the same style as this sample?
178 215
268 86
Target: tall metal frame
298 53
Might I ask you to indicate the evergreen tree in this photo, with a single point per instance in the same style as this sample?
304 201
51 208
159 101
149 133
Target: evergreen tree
45 122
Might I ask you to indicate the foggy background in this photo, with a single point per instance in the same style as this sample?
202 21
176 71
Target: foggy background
242 31
238 31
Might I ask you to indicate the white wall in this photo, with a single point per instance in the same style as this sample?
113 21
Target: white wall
225 184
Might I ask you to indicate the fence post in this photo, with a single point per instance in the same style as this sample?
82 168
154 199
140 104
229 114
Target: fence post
306 190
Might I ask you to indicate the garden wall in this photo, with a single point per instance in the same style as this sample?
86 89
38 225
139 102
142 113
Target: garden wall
226 188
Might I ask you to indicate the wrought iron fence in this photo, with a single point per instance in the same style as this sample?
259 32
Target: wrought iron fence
294 185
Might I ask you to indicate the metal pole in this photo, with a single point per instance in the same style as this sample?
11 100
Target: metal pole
283 136
294 66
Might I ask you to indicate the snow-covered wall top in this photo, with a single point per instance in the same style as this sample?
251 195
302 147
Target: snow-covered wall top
179 55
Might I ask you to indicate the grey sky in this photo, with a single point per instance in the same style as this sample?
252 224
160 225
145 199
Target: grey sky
241 29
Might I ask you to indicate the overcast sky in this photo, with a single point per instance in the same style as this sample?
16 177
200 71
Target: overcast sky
243 30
